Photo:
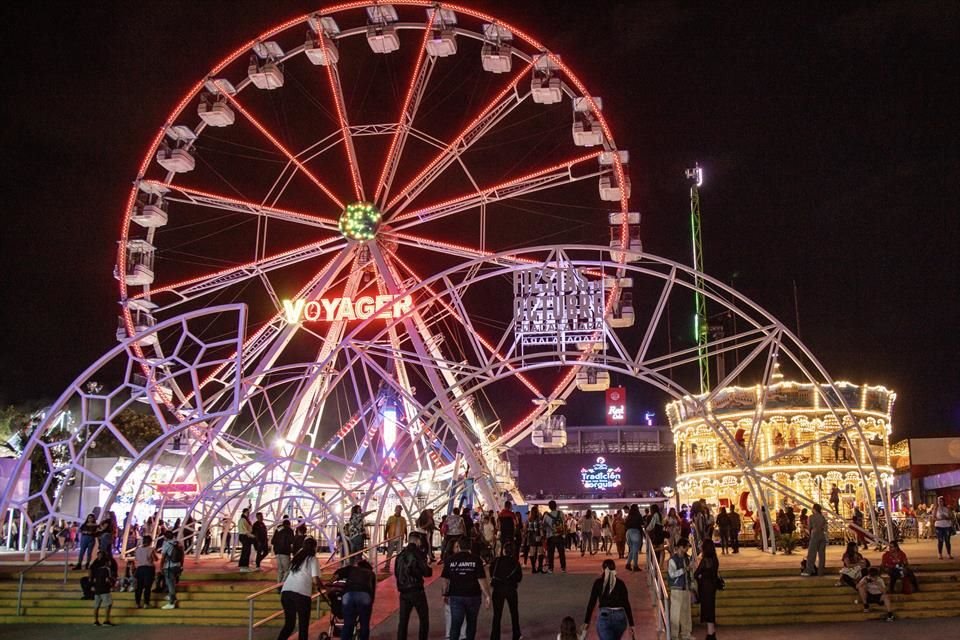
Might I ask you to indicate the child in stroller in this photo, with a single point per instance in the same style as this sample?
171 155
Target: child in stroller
332 594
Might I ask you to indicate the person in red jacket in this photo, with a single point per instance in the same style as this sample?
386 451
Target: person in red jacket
895 563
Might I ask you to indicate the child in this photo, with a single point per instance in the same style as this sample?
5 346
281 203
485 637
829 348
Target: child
126 584
873 591
103 572
568 630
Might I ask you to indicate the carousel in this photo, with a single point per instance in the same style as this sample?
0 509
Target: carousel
792 433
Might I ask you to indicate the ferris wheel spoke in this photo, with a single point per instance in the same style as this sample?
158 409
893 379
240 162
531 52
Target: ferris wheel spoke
483 348
200 198
333 77
502 105
209 283
411 104
546 178
279 145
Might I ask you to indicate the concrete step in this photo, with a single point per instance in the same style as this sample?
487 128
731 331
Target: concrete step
877 614
137 617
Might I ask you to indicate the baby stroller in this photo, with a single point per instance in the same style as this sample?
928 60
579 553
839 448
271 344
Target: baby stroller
332 594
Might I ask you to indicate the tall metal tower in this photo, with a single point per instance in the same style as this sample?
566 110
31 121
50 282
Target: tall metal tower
700 329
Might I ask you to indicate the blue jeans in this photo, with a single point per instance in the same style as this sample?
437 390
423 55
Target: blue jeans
611 623
86 547
357 607
633 546
170 575
464 607
943 539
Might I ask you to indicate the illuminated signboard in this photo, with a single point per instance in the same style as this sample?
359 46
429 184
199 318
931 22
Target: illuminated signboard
323 310
556 304
616 405
600 476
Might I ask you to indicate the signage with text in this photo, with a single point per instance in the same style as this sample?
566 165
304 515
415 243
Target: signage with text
600 476
616 405
337 309
557 304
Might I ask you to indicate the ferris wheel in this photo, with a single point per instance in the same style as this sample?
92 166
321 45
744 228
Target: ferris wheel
318 174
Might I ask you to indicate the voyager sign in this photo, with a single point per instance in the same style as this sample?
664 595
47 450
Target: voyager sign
338 309
600 476
557 305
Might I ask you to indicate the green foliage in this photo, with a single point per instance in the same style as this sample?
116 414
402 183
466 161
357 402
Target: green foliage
787 542
13 419
139 429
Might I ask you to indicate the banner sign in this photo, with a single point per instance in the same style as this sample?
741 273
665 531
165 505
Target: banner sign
616 405
556 304
600 476
177 487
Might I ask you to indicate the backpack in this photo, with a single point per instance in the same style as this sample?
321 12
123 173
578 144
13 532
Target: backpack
176 555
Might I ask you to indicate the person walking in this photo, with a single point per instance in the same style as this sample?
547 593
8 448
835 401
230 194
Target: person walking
586 534
144 558
452 530
464 580
245 537
606 535
259 530
554 529
171 563
723 525
88 535
944 520
395 534
534 540
282 543
655 530
359 593
410 569
295 593
680 580
615 615
355 533
735 525
707 575
507 525
634 525
817 549
505 577
619 534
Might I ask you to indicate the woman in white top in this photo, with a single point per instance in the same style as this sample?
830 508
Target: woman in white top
297 588
144 559
944 520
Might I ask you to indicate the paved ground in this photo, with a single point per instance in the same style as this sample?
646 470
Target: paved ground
544 601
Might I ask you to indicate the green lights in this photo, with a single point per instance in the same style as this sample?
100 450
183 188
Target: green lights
359 221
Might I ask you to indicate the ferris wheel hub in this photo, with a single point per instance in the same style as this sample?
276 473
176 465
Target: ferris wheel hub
360 221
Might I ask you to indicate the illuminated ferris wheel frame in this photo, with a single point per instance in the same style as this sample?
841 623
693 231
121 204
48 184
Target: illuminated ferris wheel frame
380 217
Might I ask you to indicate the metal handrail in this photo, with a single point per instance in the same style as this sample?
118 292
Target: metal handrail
276 614
23 573
658 588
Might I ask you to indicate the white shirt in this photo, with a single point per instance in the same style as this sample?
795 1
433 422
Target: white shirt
302 581
941 516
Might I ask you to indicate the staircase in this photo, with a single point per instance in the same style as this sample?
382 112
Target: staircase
205 598
781 596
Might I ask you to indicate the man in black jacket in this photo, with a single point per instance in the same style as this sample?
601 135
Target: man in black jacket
410 569
282 543
505 576
260 539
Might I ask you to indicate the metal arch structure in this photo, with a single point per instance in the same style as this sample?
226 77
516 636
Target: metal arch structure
764 345
174 189
270 472
119 380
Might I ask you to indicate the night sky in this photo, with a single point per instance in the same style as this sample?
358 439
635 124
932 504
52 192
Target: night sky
828 136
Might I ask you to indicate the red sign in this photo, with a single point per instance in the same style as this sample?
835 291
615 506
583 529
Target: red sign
616 405
177 487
